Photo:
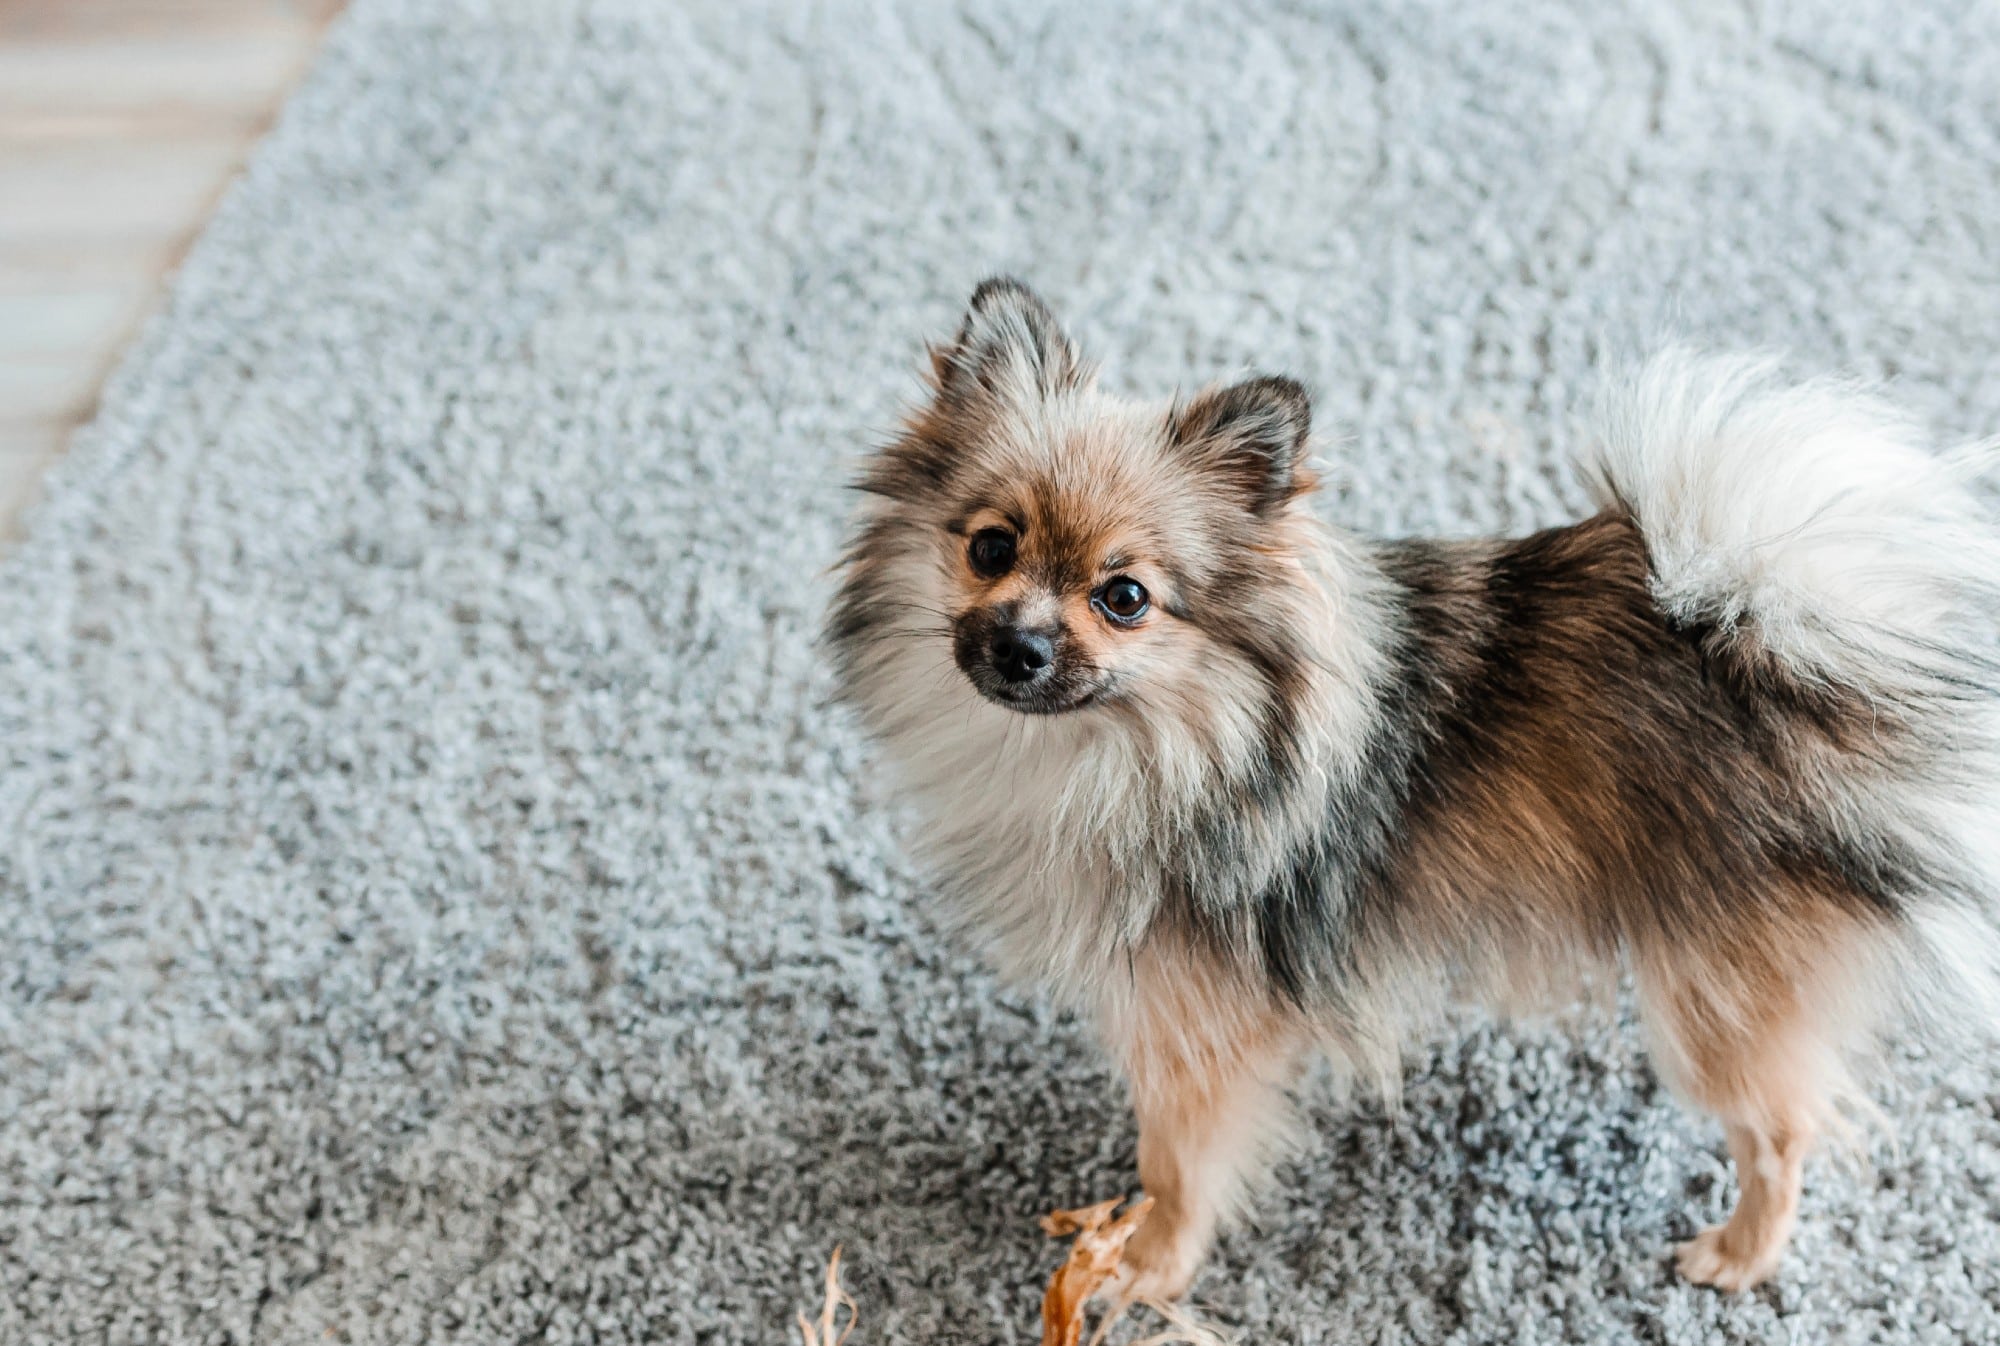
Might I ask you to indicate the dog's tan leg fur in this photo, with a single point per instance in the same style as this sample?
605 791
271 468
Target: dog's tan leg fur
1207 1068
1769 1175
1754 1034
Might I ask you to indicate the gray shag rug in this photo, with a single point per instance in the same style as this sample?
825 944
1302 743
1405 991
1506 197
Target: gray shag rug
437 901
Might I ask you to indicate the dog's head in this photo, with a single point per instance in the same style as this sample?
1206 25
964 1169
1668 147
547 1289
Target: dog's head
1068 549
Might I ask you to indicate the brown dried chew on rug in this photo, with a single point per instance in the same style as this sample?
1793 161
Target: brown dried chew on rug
1093 1259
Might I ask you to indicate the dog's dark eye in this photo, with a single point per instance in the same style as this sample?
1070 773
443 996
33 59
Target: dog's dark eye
1124 599
991 552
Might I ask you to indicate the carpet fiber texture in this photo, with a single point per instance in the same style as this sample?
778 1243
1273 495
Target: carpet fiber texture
437 899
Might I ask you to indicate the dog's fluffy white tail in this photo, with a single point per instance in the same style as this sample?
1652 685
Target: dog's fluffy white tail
1808 531
1810 518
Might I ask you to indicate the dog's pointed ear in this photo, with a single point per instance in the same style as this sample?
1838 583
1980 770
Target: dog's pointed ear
1009 347
1250 436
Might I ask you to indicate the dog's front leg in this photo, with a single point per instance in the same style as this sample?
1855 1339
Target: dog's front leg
1208 1071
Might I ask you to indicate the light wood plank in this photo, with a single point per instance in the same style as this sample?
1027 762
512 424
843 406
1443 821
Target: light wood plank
68 321
111 189
61 88
49 385
121 122
29 20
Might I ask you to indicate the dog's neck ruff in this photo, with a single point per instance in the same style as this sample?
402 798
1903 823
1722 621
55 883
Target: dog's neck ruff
1064 843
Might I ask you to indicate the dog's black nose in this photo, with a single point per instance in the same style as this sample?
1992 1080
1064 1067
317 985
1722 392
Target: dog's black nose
1021 656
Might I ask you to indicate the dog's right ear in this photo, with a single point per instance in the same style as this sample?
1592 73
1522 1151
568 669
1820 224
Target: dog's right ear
1250 437
1010 348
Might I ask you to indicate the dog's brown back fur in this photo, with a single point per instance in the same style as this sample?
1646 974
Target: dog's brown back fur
1598 773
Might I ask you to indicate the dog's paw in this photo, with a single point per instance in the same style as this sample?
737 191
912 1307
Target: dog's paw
1710 1258
1159 1264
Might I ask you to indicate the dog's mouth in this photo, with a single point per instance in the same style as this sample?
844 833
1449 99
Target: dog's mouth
1037 700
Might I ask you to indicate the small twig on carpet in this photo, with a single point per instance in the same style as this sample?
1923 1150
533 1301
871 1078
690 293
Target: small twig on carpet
836 1299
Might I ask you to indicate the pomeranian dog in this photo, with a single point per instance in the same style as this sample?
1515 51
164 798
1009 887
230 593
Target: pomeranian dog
1241 786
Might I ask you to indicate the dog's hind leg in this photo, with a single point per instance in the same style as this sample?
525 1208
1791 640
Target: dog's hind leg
1744 1250
1759 1035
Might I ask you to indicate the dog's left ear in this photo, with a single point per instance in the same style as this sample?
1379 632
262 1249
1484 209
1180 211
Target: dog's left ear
1009 347
1250 435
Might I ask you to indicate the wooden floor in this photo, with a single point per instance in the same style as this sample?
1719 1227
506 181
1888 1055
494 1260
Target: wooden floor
121 122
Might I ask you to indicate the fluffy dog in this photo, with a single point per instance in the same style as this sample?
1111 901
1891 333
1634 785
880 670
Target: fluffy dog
1241 786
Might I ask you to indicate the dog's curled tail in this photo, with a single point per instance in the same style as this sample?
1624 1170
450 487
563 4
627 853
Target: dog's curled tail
1809 524
1823 552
